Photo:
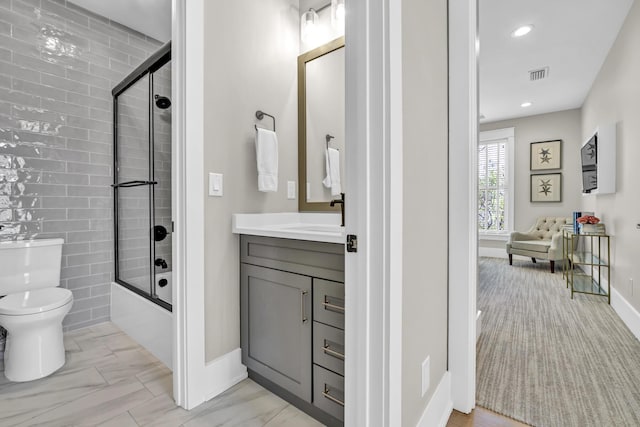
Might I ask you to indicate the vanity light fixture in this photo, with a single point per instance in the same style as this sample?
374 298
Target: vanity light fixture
522 31
338 13
309 22
526 104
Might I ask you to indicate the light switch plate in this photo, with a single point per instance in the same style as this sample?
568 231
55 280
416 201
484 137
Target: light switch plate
215 184
291 190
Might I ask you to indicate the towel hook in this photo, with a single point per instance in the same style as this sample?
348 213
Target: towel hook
260 115
329 138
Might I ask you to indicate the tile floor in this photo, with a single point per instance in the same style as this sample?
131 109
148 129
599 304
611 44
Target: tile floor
109 380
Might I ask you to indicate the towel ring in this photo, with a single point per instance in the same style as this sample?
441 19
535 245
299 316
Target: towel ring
260 115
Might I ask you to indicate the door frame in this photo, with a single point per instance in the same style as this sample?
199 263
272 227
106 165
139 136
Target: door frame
463 205
187 204
373 321
374 170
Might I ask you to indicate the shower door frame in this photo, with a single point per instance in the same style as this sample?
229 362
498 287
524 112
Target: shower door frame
156 61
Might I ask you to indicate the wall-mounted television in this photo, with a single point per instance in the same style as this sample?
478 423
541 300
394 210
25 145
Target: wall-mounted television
589 157
598 161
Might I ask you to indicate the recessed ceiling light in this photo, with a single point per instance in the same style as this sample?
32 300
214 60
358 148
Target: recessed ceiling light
525 104
521 31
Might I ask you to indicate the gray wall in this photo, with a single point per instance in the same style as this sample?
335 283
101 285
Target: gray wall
250 62
613 98
58 64
425 212
564 125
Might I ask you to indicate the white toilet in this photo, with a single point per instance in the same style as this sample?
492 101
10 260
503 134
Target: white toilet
32 308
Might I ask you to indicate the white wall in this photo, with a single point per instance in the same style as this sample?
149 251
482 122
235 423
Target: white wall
564 125
613 98
250 59
425 140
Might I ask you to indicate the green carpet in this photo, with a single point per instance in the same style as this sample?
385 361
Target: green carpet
550 361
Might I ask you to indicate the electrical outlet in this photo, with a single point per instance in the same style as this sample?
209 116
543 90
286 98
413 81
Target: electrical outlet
631 285
426 369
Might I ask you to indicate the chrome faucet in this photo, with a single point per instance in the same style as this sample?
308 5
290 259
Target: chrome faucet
341 202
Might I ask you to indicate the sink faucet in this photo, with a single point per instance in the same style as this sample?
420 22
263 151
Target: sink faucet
341 201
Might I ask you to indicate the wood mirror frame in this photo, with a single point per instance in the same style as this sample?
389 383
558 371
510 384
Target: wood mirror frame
303 204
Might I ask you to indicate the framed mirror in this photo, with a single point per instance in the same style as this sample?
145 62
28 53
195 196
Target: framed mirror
321 117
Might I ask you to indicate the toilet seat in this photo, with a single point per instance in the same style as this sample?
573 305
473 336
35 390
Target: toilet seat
36 301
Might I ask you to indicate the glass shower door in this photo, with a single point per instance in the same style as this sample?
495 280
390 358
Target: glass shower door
161 127
134 188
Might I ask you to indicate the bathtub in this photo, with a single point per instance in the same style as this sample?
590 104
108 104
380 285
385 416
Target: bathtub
145 321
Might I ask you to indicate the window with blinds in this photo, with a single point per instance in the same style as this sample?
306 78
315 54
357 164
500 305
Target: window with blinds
493 186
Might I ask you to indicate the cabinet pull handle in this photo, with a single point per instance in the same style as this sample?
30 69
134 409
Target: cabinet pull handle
329 306
326 394
330 352
302 309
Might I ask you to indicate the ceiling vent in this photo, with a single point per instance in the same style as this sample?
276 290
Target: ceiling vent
539 74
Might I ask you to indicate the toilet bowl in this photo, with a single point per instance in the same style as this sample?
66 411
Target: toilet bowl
33 320
32 308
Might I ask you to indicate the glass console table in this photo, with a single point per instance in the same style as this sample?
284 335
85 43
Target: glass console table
588 258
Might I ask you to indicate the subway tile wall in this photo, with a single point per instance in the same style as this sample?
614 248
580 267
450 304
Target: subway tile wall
58 64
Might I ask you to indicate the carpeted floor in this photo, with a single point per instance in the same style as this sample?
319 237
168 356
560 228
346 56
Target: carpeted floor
550 361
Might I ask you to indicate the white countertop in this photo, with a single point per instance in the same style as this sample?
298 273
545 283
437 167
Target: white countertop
315 227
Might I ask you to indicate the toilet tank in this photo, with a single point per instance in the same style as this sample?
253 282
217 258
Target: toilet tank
29 264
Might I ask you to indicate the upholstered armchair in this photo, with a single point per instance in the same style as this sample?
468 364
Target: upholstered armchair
542 241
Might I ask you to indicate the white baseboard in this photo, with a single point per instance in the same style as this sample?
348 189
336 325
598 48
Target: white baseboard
492 252
629 315
223 373
439 409
478 325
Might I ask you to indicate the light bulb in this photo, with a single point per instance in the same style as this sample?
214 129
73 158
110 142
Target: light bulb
522 31
338 14
308 25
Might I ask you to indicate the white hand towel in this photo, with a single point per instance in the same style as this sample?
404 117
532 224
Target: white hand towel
267 159
327 179
333 171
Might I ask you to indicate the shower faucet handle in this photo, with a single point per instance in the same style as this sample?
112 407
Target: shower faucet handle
159 262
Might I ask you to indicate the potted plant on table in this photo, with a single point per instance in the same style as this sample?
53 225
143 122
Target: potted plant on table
590 224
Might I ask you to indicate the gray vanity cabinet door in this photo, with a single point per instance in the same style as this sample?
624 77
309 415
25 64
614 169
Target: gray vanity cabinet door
276 327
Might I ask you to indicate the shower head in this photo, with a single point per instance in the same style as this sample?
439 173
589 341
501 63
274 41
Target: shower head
162 102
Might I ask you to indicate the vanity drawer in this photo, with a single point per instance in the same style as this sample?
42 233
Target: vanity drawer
314 259
328 347
328 391
328 302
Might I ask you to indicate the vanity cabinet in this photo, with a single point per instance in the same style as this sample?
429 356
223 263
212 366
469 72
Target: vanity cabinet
292 321
276 307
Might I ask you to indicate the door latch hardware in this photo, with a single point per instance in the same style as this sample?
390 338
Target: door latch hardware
352 243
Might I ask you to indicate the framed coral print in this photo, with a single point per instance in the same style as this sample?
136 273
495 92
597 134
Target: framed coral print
546 188
546 155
